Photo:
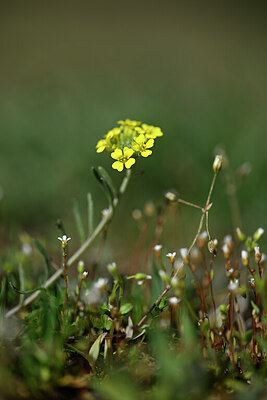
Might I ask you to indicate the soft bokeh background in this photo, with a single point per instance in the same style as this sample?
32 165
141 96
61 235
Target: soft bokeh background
70 70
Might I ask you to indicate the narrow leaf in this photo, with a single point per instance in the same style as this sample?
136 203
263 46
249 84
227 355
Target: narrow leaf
78 220
94 351
25 291
105 175
105 186
38 245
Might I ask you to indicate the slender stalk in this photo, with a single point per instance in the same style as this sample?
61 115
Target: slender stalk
168 287
188 203
78 297
102 224
66 278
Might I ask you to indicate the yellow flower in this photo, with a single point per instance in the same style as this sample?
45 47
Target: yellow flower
141 146
101 145
123 158
129 122
152 132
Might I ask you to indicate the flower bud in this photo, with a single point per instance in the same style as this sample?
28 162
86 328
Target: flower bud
202 239
80 267
112 269
184 255
157 250
217 164
244 257
258 234
257 254
241 236
164 276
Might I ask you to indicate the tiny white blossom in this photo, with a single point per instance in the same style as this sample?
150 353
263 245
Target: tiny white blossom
171 196
257 250
228 239
244 254
171 256
26 249
137 214
225 250
233 285
101 284
229 272
203 235
105 212
158 247
84 274
184 252
252 281
64 240
174 300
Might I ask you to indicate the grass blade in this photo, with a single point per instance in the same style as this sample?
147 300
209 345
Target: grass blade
78 220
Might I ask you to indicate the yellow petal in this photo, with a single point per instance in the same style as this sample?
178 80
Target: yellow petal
149 143
100 149
127 152
116 154
135 146
129 163
117 165
146 153
140 139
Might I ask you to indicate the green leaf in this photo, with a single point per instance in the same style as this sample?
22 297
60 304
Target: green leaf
256 308
25 291
247 336
125 308
104 184
94 351
105 175
90 213
78 220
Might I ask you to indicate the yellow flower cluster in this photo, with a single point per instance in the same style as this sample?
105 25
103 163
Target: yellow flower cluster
128 141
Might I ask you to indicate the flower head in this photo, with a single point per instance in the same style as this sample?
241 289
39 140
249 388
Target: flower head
171 256
142 145
123 157
64 241
128 141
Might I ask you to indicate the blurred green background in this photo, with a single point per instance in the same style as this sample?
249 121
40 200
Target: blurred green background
70 70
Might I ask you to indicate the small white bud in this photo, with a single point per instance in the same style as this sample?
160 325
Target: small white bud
184 254
217 164
244 257
84 274
258 234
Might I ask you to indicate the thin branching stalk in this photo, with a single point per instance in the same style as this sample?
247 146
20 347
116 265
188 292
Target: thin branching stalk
102 224
200 226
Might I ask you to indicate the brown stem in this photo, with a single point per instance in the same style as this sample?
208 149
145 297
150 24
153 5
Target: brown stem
66 278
